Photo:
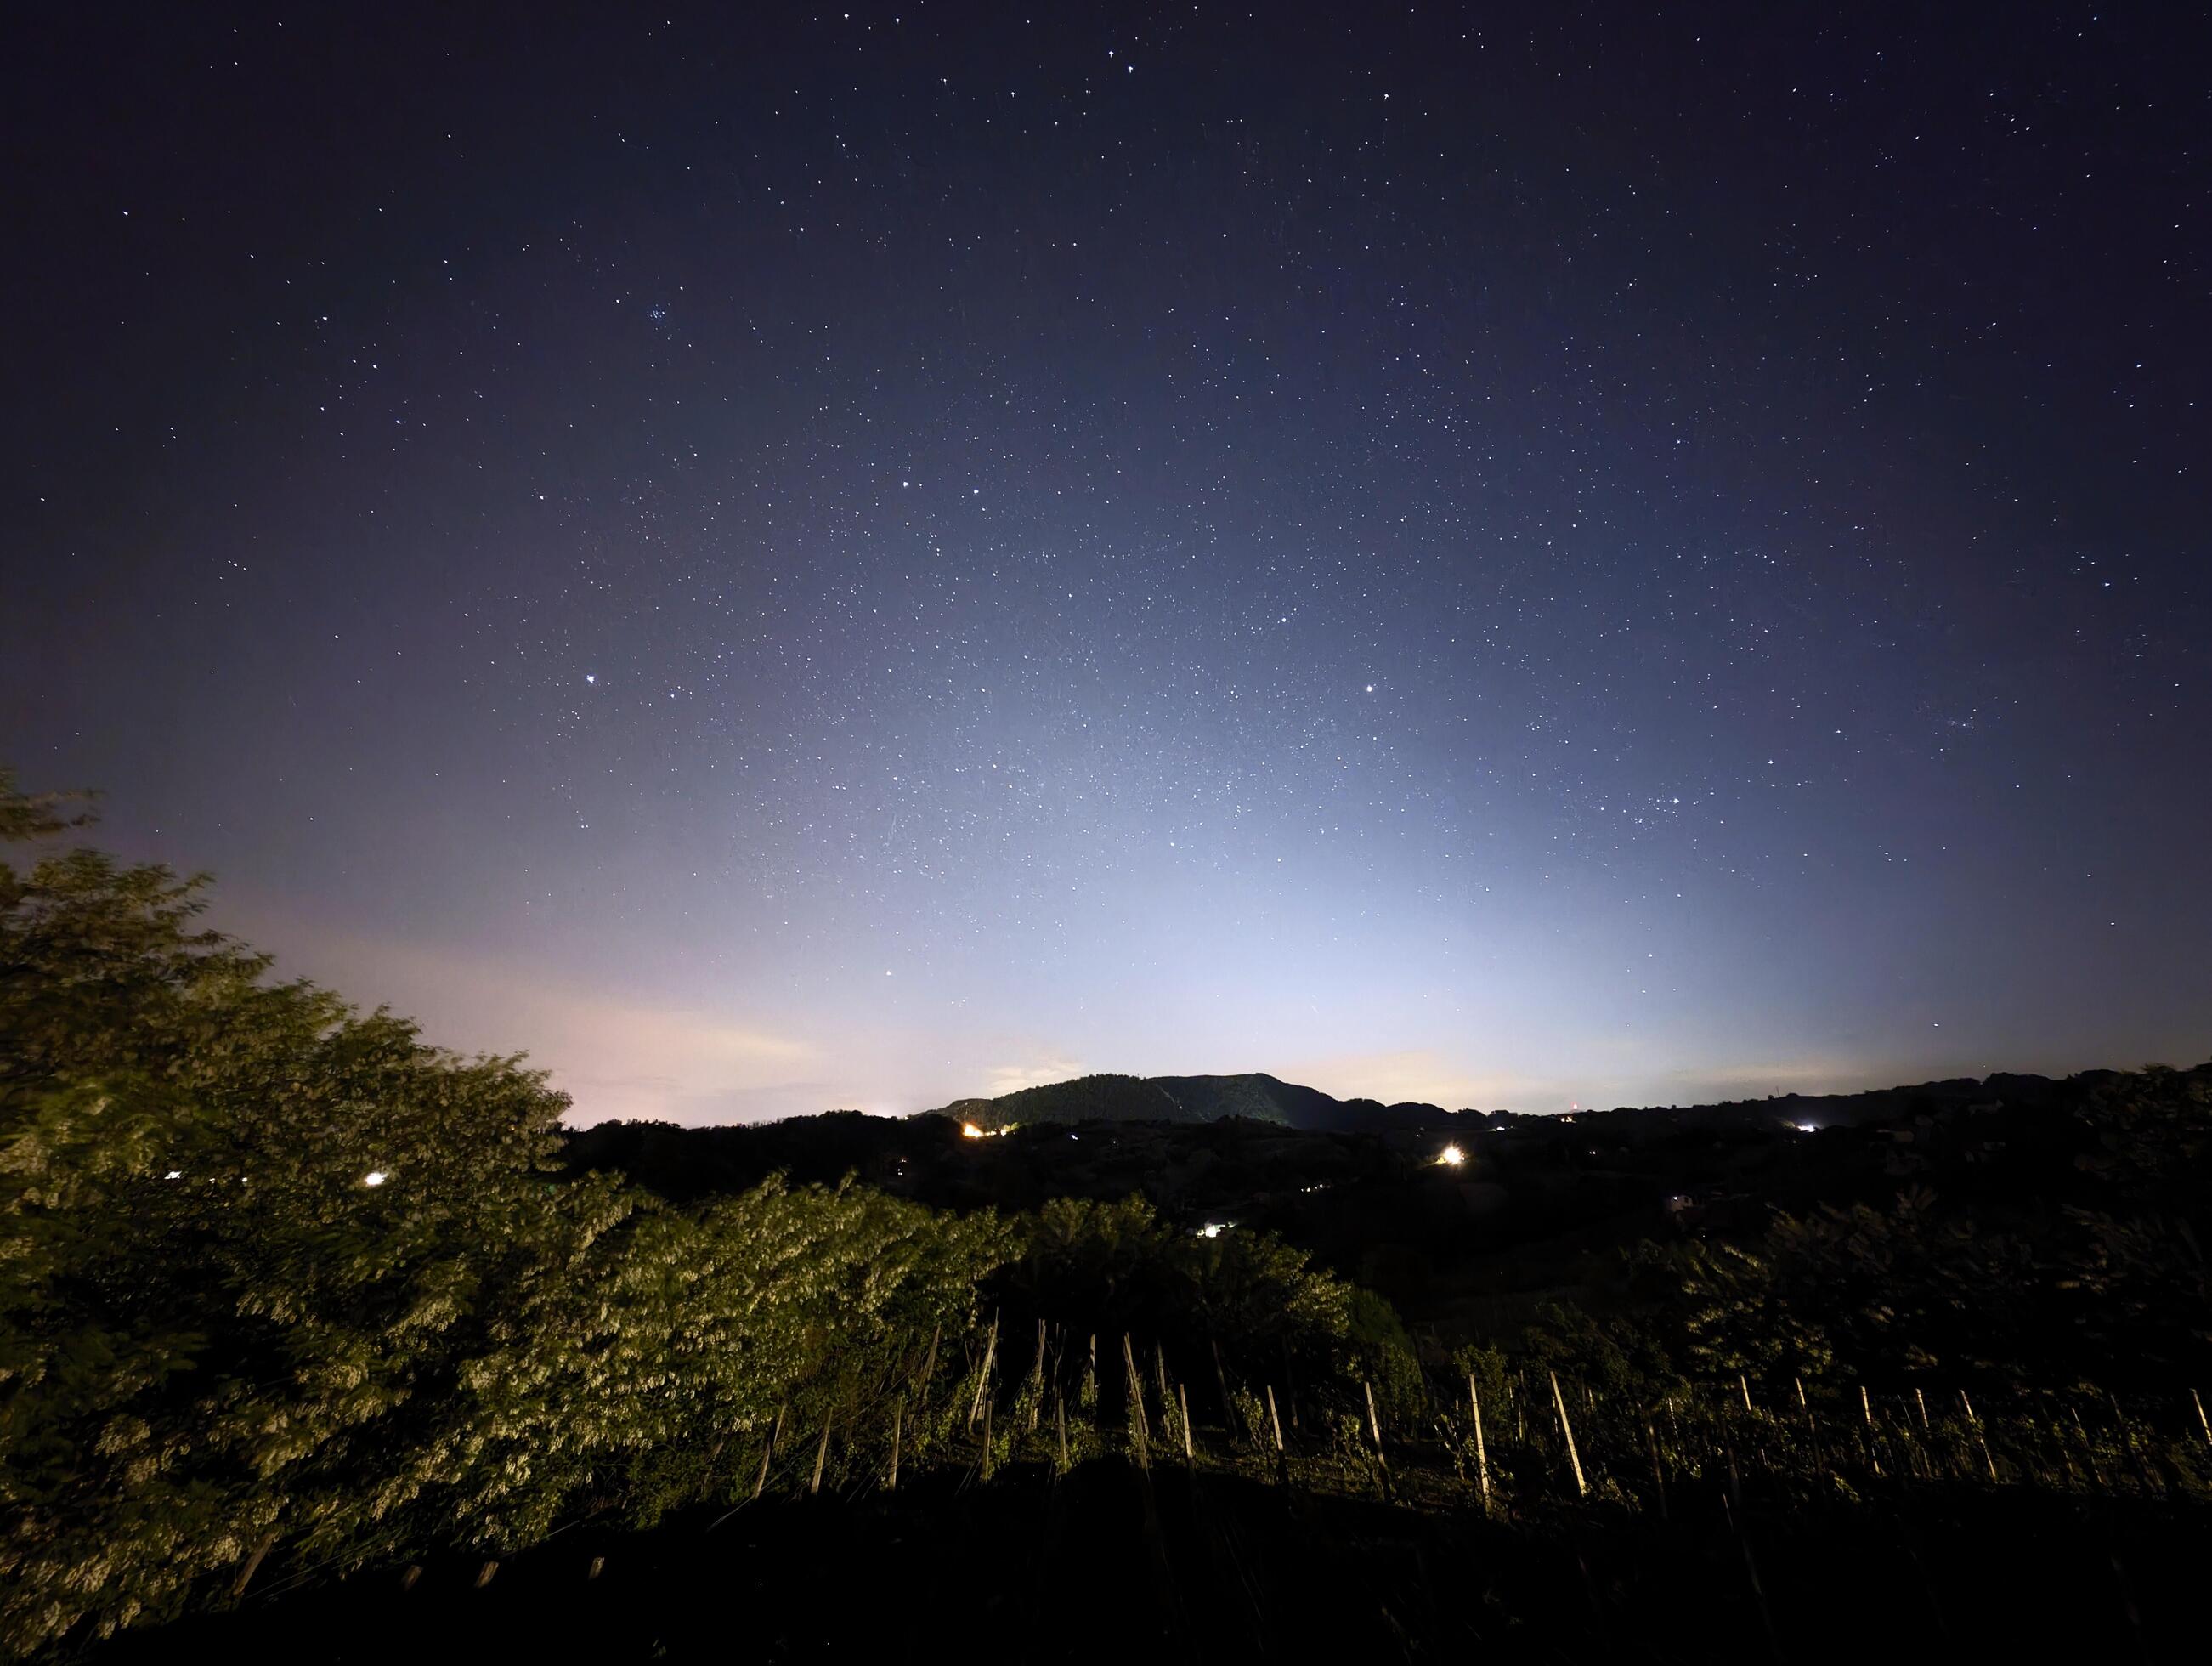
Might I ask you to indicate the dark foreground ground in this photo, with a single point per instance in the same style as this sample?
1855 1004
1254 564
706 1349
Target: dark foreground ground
1105 1567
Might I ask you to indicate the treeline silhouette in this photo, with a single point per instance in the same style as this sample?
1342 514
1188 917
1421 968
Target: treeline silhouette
1989 1234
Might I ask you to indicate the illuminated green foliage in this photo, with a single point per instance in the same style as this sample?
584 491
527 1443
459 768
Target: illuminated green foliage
273 1273
1116 1268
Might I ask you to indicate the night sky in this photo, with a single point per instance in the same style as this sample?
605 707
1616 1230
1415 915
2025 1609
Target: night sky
852 557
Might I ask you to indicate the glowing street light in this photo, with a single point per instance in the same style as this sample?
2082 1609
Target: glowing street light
968 1130
375 1178
1450 1157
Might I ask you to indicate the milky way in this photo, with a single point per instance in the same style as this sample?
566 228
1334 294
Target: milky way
901 552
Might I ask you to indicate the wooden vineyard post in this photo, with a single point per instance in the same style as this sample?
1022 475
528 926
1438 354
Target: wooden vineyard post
2128 1444
1274 1421
1975 1423
768 1452
1481 1452
1060 1423
1182 1410
1812 1428
983 1377
253 1565
2202 1421
1137 1403
1582 1485
2088 1452
898 1420
1375 1427
1037 1376
821 1457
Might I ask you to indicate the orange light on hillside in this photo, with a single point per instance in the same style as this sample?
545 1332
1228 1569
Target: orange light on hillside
971 1131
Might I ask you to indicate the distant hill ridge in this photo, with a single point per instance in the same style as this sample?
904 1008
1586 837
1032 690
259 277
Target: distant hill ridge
1264 1098
1255 1095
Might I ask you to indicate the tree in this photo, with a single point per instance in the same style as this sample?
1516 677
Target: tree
247 1238
274 1272
1112 1267
2131 1266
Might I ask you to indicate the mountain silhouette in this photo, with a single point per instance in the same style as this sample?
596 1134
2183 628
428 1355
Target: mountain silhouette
1256 1096
1260 1097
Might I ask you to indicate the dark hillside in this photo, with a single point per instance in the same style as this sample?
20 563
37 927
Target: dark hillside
1538 1207
1254 1096
1258 1097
